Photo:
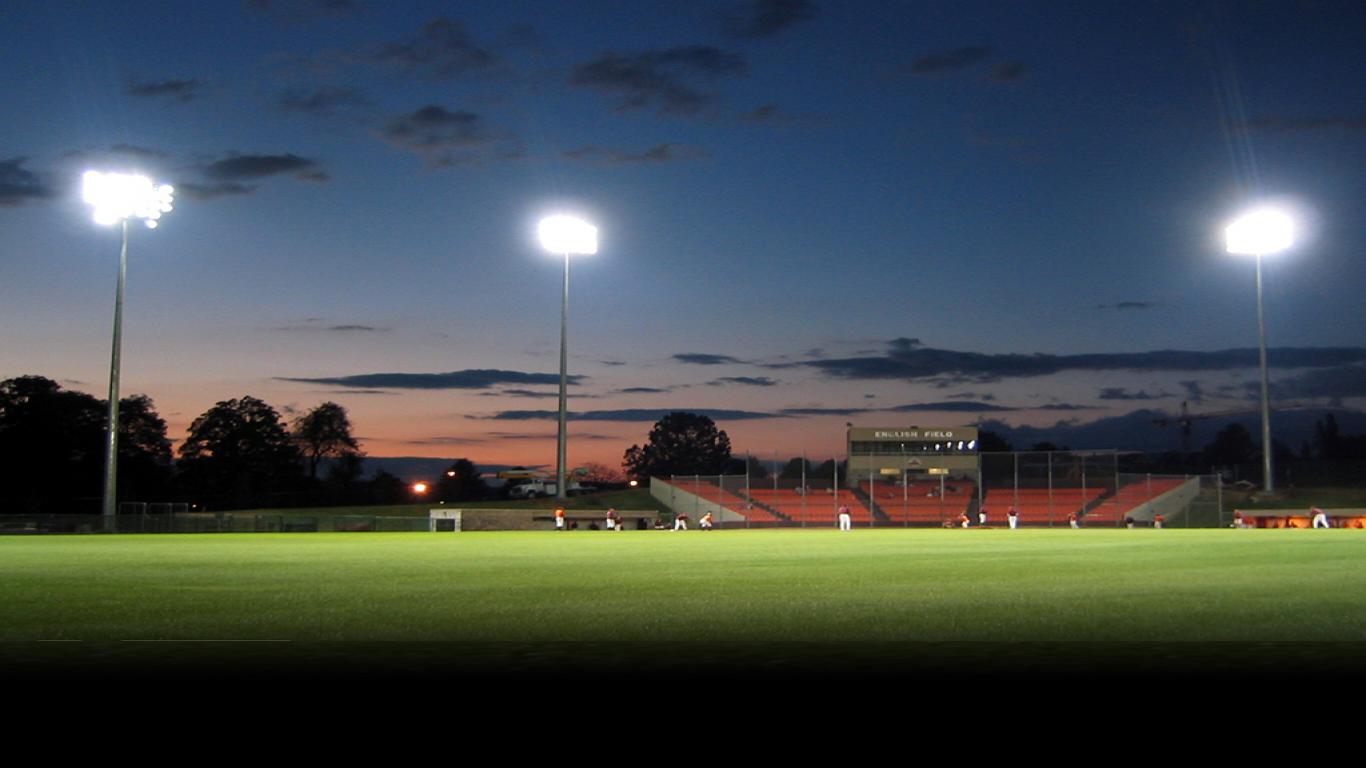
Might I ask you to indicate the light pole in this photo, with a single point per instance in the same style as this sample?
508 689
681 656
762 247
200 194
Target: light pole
565 235
116 198
1261 232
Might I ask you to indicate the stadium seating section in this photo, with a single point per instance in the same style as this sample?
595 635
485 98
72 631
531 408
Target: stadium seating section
922 503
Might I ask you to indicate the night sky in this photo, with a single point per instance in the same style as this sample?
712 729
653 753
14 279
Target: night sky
810 213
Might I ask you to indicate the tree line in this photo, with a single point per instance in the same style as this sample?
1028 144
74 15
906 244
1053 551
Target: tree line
239 454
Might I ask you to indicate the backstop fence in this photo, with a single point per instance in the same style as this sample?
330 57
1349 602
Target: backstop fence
1043 488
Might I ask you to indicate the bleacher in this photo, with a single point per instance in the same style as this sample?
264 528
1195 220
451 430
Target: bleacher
736 502
813 506
919 503
1040 506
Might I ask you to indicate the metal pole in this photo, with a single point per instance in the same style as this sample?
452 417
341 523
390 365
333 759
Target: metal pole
111 454
560 489
1267 482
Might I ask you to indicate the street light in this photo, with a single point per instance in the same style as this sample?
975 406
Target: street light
116 198
565 235
1261 232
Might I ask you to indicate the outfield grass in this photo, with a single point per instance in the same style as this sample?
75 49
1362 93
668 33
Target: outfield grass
734 586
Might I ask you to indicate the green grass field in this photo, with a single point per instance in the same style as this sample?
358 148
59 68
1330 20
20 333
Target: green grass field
755 593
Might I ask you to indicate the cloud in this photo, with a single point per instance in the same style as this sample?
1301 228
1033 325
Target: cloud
971 396
197 191
630 415
1008 71
442 136
1130 305
174 90
749 381
1122 393
1306 124
299 10
239 167
955 406
441 50
765 18
313 325
658 78
19 185
660 153
467 379
701 358
1334 383
953 60
321 101
1194 392
827 411
770 114
906 359
644 390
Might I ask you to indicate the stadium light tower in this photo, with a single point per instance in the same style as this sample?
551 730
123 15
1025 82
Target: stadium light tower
565 235
116 198
1261 232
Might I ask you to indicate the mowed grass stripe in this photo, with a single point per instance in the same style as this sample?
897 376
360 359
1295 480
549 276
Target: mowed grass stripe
725 586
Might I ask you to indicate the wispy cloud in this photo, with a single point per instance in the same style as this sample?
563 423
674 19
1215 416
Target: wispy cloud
446 137
630 415
662 79
1122 393
314 326
951 60
765 18
660 153
907 359
644 390
321 101
1008 71
702 358
301 10
442 49
467 379
172 90
1123 305
748 381
18 185
238 167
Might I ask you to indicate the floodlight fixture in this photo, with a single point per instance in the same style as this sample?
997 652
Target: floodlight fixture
1260 232
568 235
117 197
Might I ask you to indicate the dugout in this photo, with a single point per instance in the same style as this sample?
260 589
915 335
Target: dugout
1301 518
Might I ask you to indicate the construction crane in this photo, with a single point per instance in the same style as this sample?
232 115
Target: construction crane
1187 417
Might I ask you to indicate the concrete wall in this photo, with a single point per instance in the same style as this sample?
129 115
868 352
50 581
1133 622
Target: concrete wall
679 499
1169 504
542 519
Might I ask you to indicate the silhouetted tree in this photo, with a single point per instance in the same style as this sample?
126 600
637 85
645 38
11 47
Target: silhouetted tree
794 468
239 454
990 442
461 482
324 433
52 444
1232 445
680 444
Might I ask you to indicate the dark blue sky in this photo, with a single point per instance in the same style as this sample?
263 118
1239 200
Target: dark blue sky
810 212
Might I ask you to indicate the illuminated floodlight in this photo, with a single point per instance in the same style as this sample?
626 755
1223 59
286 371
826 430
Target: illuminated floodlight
1260 232
419 487
566 234
972 444
118 197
